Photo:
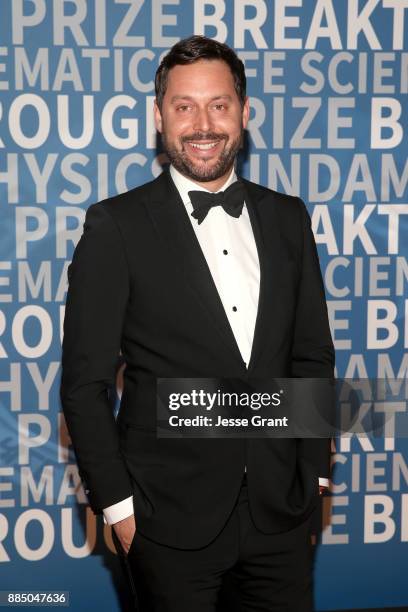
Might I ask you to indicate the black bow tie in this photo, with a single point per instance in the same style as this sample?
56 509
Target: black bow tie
232 201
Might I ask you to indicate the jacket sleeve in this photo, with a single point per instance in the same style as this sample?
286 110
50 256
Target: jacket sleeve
98 289
312 350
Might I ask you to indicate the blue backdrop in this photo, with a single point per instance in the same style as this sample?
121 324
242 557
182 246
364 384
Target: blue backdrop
328 82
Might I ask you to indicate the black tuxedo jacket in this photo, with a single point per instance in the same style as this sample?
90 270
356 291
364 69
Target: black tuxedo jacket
139 282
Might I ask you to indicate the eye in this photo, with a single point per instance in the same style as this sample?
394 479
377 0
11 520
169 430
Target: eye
220 106
183 108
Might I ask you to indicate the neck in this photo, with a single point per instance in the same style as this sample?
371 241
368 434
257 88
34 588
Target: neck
214 185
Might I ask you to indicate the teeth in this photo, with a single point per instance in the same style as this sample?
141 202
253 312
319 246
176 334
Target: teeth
203 147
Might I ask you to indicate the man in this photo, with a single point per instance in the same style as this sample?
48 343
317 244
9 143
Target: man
187 287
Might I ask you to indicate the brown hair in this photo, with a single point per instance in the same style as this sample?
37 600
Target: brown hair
192 49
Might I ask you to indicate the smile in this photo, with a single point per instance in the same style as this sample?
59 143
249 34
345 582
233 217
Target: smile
203 147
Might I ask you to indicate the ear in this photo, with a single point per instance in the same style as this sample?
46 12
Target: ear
157 117
245 113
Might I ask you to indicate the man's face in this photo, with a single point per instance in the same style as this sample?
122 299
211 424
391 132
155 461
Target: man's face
202 120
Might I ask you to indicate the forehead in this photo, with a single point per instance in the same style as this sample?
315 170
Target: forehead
200 78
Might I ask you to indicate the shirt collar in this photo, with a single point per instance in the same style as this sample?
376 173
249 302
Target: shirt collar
184 184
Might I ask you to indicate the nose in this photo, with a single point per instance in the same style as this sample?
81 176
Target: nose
202 120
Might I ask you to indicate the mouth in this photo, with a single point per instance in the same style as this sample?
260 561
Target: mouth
202 149
204 146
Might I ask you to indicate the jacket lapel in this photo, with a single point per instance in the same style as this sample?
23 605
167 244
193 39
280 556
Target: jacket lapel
265 225
169 215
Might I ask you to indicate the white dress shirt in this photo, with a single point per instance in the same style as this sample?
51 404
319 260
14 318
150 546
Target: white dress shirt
230 250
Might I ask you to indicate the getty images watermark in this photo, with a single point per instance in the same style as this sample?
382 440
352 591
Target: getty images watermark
281 407
219 400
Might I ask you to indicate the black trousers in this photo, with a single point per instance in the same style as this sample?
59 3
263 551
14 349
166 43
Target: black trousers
242 570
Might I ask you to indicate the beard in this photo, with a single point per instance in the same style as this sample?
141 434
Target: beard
201 171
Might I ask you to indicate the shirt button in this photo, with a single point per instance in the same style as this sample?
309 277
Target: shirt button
234 308
225 252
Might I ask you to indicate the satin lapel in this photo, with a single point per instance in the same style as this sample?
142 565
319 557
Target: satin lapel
169 215
264 220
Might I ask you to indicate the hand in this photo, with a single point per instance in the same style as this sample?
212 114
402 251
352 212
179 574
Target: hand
322 489
125 530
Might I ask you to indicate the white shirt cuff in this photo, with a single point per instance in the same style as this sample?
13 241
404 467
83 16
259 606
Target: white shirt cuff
123 509
119 511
